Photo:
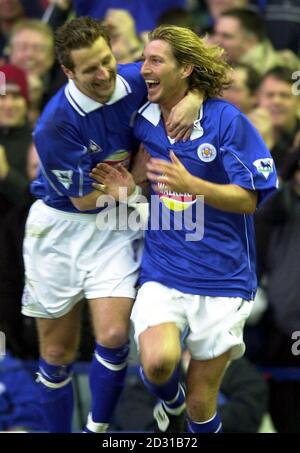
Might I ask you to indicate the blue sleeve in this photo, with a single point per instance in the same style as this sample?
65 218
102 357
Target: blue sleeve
246 159
64 159
131 72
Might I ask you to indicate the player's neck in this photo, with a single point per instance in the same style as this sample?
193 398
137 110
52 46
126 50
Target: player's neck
167 105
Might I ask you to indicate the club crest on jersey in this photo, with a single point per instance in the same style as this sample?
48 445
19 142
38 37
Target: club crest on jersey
64 177
94 148
206 152
264 166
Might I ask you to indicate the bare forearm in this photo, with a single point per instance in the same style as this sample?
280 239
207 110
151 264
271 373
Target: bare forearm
226 197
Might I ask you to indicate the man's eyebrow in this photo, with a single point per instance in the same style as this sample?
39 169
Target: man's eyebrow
94 65
87 68
155 55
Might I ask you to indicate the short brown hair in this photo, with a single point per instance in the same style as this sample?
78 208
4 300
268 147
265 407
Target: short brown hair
76 34
281 73
249 20
211 73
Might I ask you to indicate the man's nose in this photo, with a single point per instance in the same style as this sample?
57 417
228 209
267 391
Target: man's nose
145 68
102 73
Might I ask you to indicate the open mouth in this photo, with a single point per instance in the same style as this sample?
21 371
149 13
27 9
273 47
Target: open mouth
152 84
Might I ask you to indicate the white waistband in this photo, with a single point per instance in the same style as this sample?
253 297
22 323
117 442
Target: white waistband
73 216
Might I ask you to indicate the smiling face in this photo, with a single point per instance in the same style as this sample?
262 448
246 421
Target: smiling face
94 71
13 109
165 79
32 51
277 97
229 34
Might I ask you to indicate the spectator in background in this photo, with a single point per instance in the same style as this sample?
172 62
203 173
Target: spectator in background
243 90
31 48
242 34
20 331
277 115
15 137
278 238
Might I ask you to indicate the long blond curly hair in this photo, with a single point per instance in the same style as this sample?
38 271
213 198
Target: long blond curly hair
211 73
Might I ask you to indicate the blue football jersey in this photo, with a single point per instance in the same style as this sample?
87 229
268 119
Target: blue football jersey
189 245
75 132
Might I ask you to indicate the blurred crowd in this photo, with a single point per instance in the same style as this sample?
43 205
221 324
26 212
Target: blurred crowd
261 40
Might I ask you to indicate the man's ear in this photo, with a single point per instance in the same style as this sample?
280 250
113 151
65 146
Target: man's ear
187 70
68 72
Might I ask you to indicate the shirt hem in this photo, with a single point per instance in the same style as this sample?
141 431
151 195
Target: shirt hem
201 291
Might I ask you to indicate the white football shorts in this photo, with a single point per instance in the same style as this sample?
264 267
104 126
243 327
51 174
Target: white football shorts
68 257
214 324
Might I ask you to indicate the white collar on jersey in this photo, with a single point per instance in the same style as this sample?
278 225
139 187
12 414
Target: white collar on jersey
84 104
152 113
